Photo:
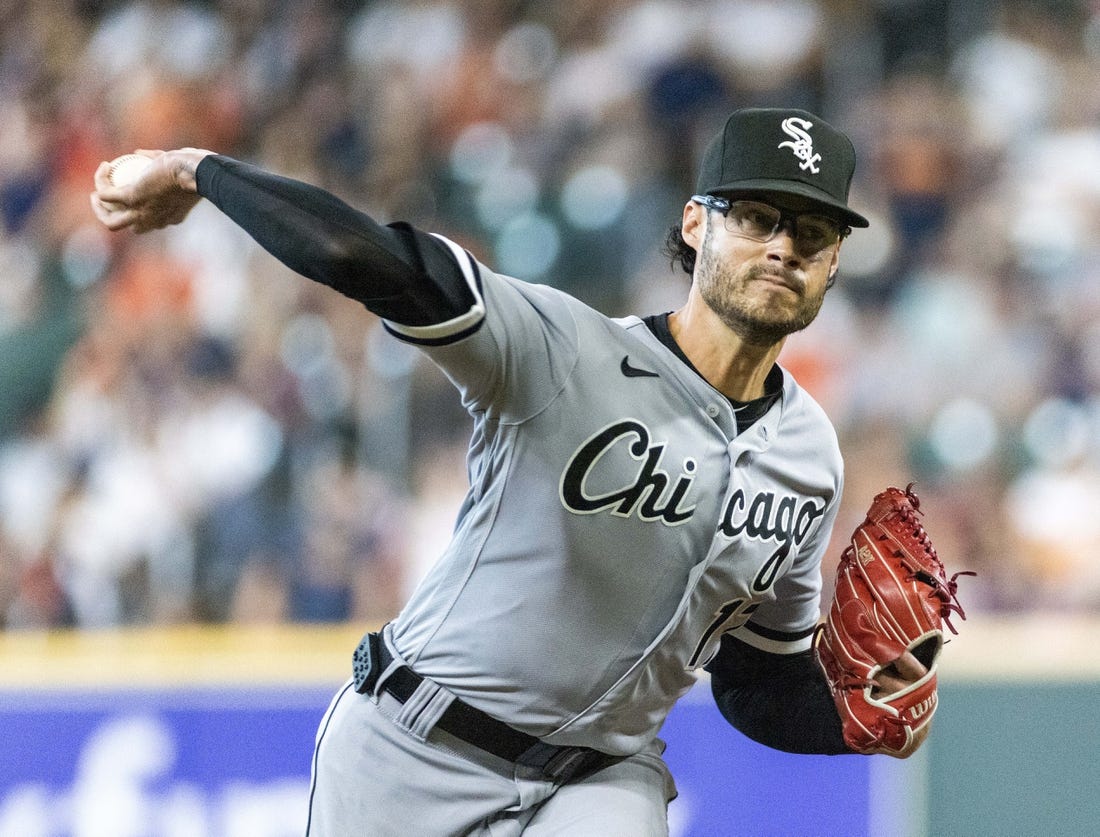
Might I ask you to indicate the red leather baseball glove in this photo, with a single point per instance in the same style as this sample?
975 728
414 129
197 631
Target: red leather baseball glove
892 596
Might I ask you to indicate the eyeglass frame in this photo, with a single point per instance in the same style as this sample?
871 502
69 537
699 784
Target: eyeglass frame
788 218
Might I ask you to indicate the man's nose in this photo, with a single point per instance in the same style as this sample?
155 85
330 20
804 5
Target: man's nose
784 244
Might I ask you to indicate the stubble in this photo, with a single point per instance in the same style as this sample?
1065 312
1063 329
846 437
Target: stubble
758 319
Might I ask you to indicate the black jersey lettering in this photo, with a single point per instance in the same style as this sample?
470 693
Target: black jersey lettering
650 491
769 518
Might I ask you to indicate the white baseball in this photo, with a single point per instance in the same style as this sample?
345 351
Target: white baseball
127 169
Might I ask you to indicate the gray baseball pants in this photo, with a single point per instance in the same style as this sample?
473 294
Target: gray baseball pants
377 771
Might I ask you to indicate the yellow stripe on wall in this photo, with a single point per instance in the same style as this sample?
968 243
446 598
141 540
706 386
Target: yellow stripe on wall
178 656
1042 647
1039 647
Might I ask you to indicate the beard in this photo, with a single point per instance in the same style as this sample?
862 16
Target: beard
726 289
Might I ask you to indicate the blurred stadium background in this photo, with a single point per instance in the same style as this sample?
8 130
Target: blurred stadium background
206 461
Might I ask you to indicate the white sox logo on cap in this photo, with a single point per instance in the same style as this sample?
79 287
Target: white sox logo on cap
801 143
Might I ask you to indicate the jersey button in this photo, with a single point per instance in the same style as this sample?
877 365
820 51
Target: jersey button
713 410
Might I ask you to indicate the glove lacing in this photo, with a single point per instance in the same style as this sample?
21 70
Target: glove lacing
944 589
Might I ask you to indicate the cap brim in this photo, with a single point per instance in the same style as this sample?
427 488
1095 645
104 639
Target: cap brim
792 187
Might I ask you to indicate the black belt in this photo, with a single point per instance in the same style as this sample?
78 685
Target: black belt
473 726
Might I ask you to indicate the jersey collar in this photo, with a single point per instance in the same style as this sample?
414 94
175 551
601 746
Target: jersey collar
747 412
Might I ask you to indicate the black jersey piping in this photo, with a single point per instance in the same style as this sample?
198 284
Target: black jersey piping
779 636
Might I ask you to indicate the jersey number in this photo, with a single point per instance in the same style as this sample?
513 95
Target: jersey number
730 615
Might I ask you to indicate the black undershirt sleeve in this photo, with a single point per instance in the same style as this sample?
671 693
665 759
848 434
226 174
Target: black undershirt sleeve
396 271
779 700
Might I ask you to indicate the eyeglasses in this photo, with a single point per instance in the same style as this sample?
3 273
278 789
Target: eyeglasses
762 222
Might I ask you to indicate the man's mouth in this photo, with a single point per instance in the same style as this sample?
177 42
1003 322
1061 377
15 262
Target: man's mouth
781 278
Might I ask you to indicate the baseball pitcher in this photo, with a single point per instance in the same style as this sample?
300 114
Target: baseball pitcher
648 496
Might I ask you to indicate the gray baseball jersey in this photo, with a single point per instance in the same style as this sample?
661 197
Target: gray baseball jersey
616 523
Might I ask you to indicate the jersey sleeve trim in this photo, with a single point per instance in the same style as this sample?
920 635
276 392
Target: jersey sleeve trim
455 328
773 641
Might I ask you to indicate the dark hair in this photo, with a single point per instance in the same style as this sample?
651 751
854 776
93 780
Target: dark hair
679 250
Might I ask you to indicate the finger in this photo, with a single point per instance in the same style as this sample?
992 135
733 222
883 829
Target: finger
899 674
910 667
888 682
102 209
102 176
112 215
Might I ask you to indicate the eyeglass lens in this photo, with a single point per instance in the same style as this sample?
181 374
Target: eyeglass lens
761 221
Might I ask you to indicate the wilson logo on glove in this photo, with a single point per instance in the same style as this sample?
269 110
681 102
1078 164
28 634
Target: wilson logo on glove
925 707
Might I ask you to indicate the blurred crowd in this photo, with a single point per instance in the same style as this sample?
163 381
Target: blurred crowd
189 432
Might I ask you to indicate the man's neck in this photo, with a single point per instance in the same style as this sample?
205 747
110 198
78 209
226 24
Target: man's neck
731 365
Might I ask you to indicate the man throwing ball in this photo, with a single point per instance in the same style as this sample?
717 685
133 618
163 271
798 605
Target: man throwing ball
648 496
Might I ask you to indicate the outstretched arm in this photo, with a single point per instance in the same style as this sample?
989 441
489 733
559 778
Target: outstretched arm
398 272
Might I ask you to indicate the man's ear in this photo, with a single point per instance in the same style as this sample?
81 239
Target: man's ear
834 263
692 225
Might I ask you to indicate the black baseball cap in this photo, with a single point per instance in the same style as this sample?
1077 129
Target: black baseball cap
781 150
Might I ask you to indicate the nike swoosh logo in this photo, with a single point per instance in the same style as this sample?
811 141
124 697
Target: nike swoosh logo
634 371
